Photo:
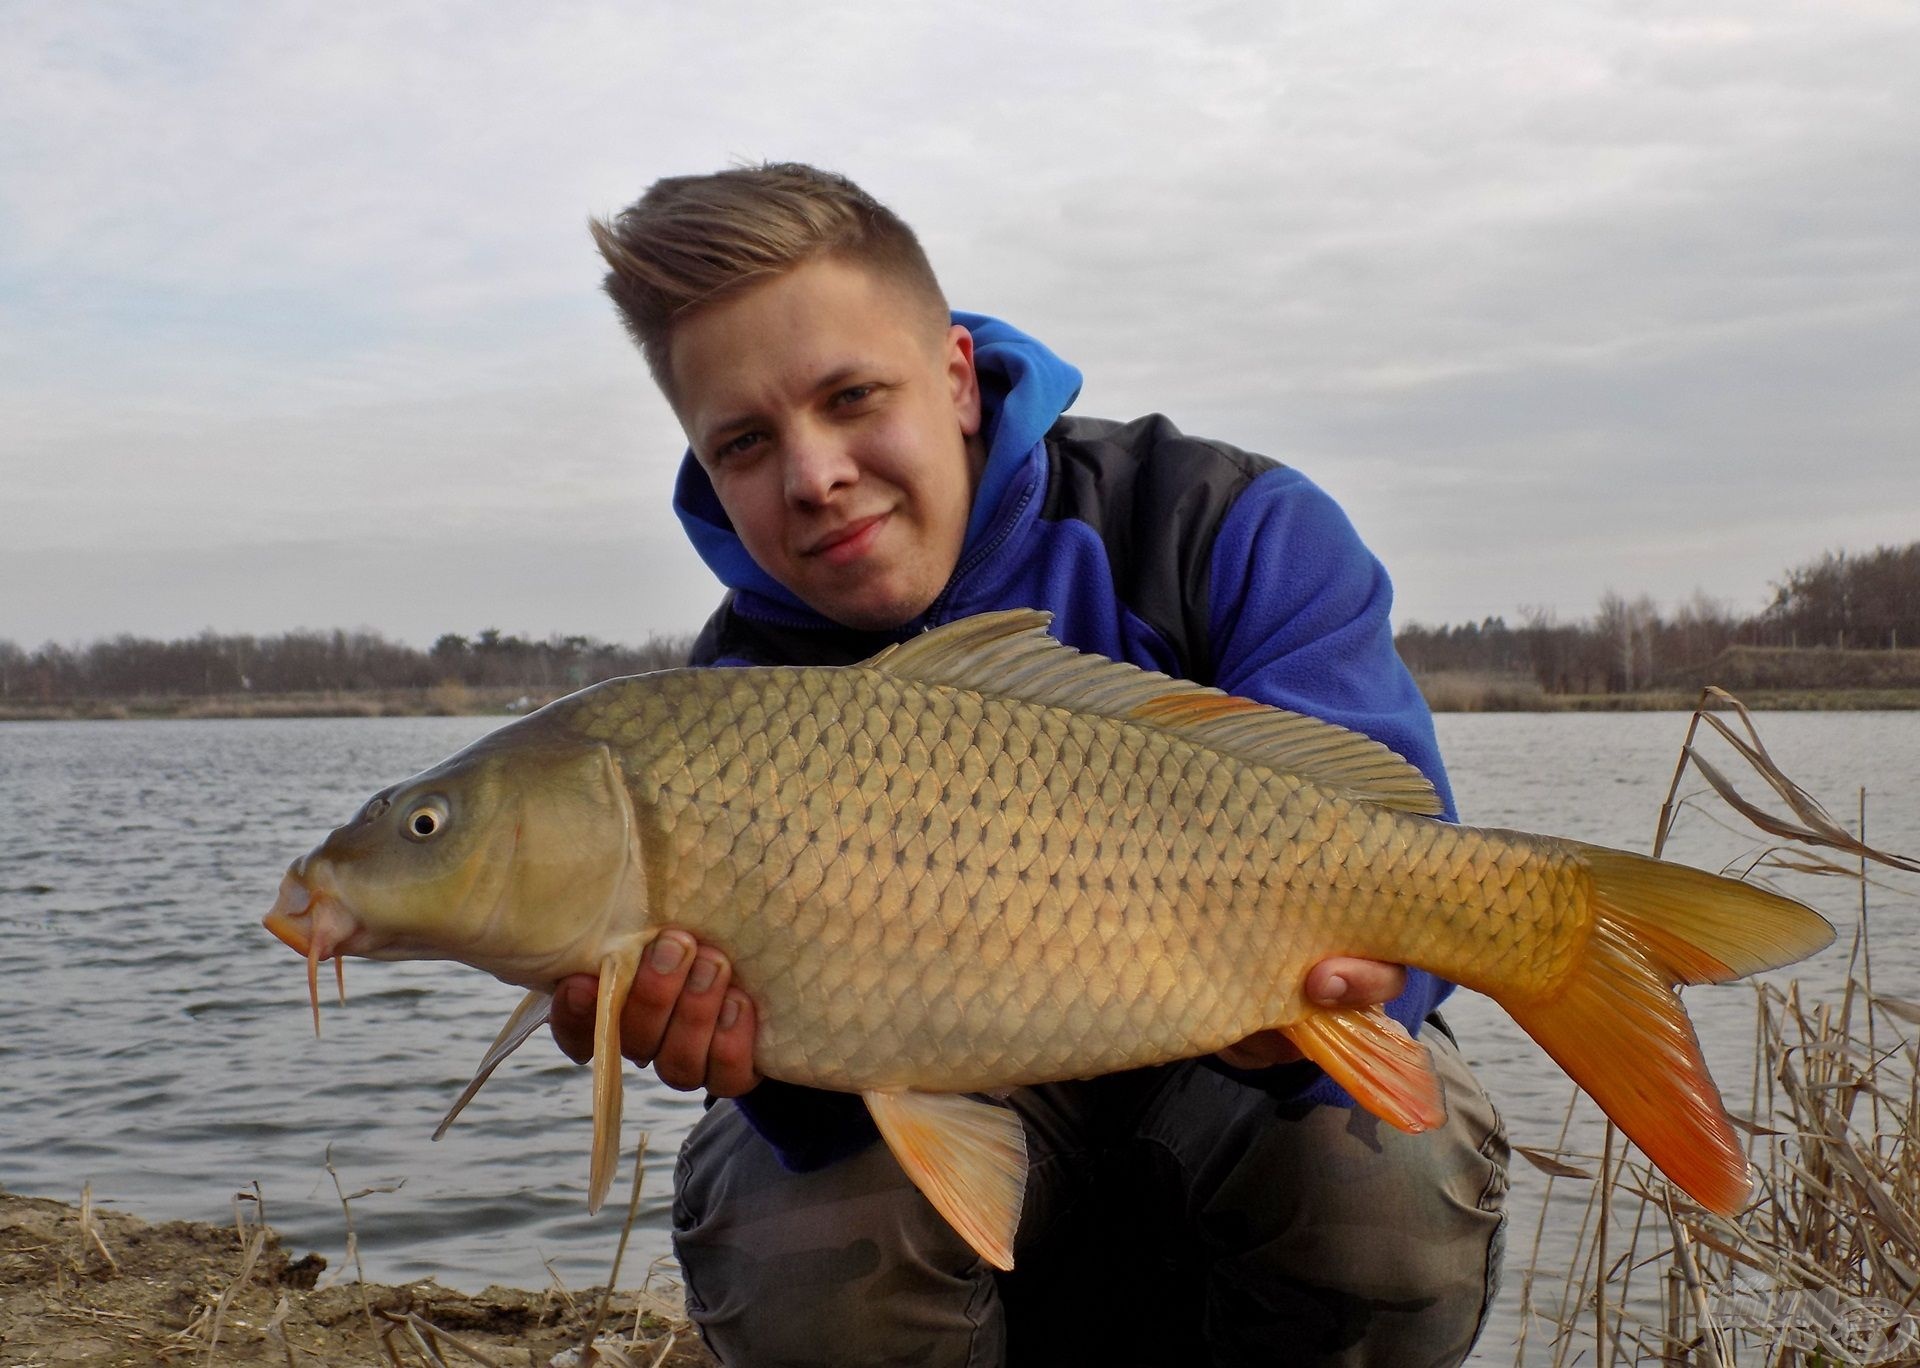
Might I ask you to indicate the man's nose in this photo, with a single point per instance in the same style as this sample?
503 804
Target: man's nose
817 464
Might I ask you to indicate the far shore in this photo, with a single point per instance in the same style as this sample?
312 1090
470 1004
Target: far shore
444 700
1445 694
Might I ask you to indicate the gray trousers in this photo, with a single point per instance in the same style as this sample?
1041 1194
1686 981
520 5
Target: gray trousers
1173 1216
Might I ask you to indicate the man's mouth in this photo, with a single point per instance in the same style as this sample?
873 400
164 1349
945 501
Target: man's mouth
850 541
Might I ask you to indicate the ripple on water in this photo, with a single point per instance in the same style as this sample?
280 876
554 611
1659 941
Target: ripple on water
157 1041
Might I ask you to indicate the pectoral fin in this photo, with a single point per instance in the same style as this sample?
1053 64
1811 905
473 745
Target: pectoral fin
1371 1055
969 1157
527 1018
616 977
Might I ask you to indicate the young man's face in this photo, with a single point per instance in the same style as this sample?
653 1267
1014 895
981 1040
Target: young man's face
839 428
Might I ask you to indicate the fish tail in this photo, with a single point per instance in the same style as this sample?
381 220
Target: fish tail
1614 1023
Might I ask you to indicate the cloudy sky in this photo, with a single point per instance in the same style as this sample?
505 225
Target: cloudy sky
299 322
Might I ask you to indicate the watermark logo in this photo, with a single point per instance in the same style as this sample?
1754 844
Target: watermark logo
1862 1330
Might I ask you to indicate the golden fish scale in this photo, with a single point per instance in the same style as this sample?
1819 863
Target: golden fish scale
908 907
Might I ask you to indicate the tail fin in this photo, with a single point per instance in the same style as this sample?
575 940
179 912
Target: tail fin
1617 1027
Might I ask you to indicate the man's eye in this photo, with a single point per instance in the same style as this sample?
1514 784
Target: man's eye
853 394
733 446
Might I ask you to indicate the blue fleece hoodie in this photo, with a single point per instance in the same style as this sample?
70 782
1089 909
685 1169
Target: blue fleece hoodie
1297 617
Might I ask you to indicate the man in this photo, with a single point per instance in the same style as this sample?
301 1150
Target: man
864 464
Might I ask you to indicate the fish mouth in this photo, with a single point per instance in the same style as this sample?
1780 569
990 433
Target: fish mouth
314 925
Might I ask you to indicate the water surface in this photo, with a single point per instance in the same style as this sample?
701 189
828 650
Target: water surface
155 1041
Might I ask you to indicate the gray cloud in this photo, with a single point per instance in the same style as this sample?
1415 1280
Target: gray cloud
1555 300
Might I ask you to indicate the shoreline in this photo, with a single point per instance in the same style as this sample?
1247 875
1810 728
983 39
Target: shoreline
1678 700
440 701
89 1287
505 702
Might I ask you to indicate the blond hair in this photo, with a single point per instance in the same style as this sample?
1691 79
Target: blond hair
692 240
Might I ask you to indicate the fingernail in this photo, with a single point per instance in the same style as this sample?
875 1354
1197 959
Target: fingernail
729 1012
705 969
1334 989
668 951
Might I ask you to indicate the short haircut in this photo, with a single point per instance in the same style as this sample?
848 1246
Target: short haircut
692 240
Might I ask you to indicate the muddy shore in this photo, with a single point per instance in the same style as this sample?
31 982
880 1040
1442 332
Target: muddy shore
104 1289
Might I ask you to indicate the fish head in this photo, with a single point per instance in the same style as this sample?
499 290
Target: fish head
513 856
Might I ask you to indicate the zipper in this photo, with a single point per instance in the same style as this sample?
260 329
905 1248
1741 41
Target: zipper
936 611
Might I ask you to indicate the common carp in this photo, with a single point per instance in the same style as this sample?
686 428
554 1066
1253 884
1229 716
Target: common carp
981 859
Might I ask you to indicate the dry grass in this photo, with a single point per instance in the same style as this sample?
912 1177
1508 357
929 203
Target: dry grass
1823 1268
1465 691
1749 668
91 1288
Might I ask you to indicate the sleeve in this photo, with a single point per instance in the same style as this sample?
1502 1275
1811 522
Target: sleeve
808 1128
1298 618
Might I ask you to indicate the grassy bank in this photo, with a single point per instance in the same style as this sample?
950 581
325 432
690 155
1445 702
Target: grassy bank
85 1287
442 700
1462 692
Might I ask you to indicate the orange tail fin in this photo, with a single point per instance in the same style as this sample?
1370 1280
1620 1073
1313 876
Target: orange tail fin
1616 1025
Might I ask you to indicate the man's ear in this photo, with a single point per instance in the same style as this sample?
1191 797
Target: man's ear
963 383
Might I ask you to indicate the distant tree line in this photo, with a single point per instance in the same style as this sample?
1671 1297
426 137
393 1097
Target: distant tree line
317 662
1840 602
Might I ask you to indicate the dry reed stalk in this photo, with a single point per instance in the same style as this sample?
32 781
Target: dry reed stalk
620 1250
251 1257
1553 1168
90 1230
353 1249
1824 1266
654 1314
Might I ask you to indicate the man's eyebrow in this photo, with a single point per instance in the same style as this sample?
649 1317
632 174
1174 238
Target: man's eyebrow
839 376
827 381
715 432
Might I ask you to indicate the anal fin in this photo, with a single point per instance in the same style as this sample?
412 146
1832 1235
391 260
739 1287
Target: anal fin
969 1157
1371 1055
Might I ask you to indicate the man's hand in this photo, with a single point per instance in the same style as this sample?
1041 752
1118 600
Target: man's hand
680 1016
1335 982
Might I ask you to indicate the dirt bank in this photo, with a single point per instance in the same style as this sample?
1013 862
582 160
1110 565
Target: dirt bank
114 1290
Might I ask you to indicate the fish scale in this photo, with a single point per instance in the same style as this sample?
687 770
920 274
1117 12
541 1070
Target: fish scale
895 816
981 860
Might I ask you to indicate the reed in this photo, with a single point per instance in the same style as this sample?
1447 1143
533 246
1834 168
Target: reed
1823 1268
1467 691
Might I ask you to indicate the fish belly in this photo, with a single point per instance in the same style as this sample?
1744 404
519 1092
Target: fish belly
924 888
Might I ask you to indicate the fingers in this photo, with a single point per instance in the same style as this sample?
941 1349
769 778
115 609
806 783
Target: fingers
730 1069
682 1016
1345 982
656 989
571 1016
685 1045
1340 981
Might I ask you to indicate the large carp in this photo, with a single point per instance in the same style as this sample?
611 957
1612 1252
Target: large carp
981 859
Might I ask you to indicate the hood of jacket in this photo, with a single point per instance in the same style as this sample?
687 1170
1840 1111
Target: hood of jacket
1024 388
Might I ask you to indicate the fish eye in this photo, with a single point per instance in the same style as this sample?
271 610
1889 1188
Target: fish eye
426 819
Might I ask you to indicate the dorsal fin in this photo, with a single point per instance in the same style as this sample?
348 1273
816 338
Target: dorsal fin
1009 655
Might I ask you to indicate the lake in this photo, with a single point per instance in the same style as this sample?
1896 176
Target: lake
155 1041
